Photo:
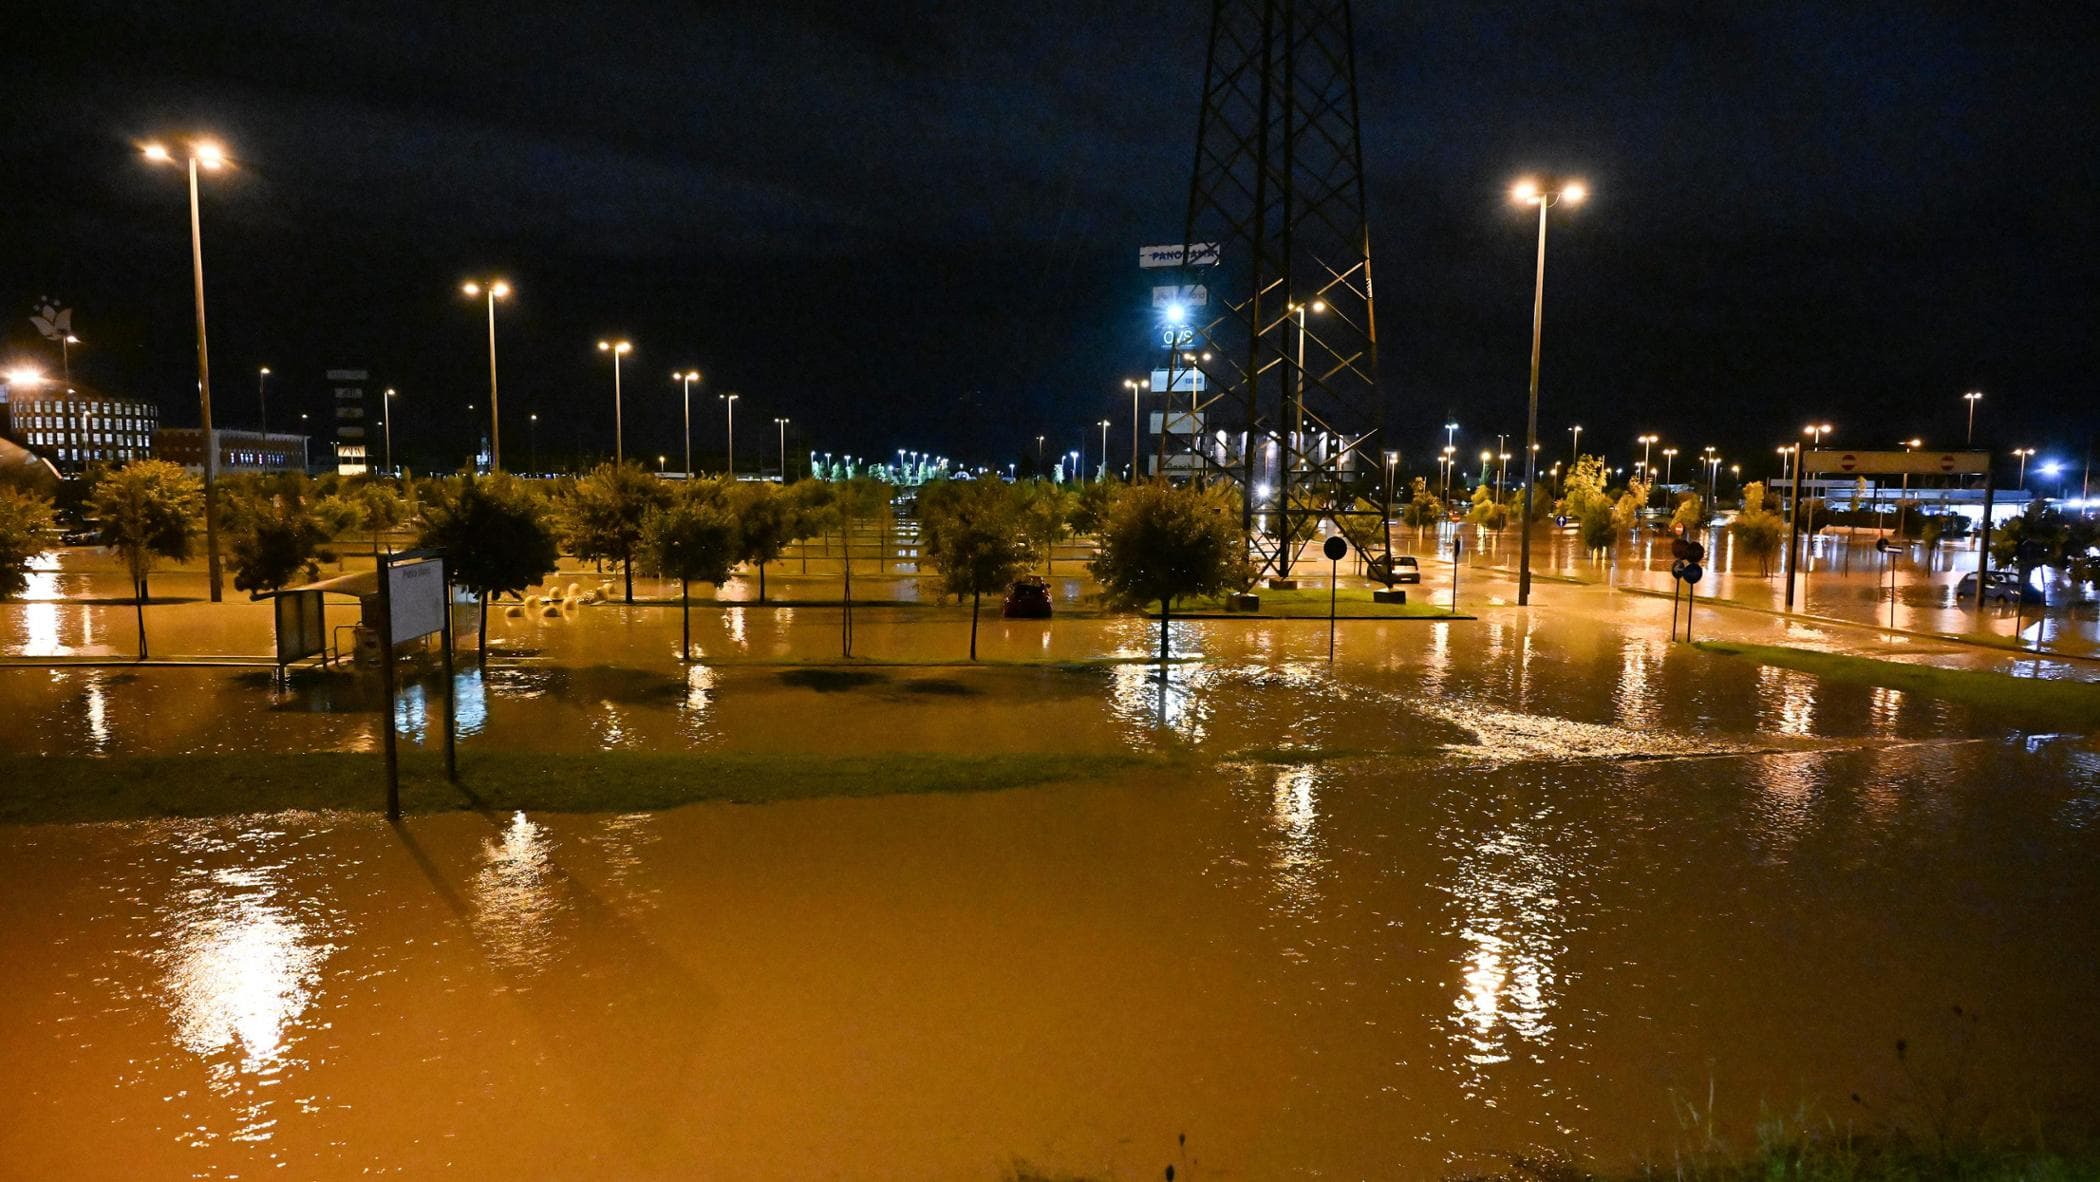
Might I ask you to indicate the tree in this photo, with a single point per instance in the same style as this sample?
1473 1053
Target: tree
1165 542
1690 514
1599 524
1757 529
1485 511
27 528
603 515
813 508
1626 514
1044 518
858 499
691 536
277 538
146 511
765 518
1423 509
1091 506
977 545
380 508
497 534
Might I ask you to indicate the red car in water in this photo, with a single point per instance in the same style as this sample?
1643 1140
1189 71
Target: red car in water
1027 599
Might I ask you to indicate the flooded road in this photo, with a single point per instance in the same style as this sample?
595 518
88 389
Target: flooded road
1481 886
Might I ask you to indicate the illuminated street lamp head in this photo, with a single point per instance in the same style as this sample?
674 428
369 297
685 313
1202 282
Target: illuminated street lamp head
265 371
1531 192
729 397
208 154
499 289
158 153
25 376
1319 306
615 347
1526 192
1574 191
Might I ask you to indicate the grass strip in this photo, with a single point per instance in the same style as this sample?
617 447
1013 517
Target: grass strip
71 789
2072 705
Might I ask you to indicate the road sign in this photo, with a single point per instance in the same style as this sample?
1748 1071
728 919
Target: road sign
1882 544
1336 548
1692 572
1681 549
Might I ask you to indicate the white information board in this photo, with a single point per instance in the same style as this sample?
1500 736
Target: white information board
417 598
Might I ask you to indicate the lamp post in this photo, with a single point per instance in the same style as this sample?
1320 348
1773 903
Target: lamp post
687 379
783 425
492 290
1818 431
1972 398
211 158
1669 458
1104 446
1647 442
1531 193
262 401
618 349
1039 473
1392 461
1575 444
2024 454
1136 386
532 439
729 406
386 424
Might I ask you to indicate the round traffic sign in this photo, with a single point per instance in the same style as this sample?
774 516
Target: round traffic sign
1882 544
1677 568
1848 461
1336 549
1693 572
1681 549
1697 553
1946 463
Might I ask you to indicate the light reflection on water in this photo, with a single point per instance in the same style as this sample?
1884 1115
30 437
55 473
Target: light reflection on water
1294 818
516 897
241 958
1507 892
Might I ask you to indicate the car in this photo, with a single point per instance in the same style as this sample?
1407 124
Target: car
1999 586
1027 599
1396 568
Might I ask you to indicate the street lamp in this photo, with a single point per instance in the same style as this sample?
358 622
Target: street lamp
687 379
1136 386
1104 446
2024 454
1039 457
618 349
210 157
532 439
1669 458
1818 431
783 425
262 400
386 423
1972 398
492 290
1575 444
1532 193
1647 466
729 407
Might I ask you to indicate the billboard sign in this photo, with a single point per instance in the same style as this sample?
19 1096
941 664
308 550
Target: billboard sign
1195 254
416 598
1186 381
1890 463
301 630
1192 295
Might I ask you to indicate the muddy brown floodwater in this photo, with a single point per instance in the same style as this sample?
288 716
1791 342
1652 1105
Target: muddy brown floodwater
1542 885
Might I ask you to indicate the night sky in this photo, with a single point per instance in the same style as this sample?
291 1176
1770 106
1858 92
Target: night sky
918 227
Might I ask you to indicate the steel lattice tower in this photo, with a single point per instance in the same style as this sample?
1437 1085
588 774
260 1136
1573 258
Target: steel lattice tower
1278 185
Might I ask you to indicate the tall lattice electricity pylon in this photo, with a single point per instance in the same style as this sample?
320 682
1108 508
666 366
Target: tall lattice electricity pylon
1288 404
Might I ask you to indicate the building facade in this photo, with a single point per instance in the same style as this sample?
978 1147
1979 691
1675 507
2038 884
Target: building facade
74 426
239 451
353 444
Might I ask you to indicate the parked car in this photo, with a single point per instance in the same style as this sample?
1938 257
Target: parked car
1395 568
1999 586
1027 599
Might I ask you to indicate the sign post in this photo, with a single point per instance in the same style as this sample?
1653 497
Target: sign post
414 601
1456 541
1335 549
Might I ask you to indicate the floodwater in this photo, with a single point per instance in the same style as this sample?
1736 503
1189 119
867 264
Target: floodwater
1480 887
